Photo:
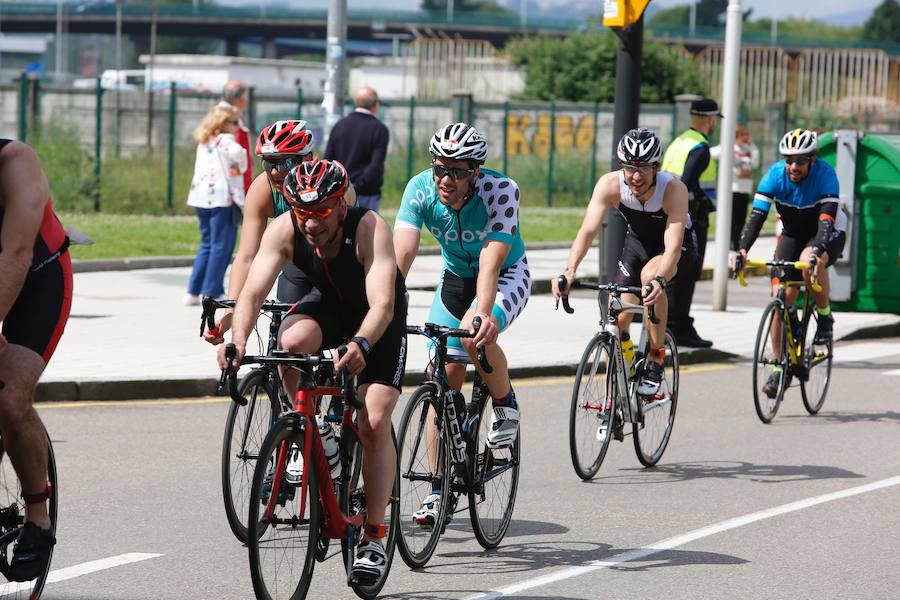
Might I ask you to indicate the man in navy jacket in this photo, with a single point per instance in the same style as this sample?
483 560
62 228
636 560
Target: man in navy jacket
359 141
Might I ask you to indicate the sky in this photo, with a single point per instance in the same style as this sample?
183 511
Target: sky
822 9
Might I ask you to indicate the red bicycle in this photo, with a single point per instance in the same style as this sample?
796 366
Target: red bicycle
295 511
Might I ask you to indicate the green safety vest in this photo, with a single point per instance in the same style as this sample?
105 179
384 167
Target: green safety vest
677 154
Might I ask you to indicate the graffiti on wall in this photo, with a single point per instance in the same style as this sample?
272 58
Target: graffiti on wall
531 134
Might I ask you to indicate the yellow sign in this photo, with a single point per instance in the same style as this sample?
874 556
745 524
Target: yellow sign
528 135
622 13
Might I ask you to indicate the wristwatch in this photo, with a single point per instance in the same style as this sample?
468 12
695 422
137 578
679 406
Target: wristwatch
363 344
661 281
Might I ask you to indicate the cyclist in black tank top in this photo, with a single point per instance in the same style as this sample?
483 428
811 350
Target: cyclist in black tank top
656 246
349 254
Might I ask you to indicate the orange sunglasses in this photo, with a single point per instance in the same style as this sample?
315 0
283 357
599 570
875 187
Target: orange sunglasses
302 214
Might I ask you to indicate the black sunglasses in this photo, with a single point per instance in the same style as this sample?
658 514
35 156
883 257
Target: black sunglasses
281 165
799 160
455 174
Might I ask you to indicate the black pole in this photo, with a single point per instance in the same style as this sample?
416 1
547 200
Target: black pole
627 111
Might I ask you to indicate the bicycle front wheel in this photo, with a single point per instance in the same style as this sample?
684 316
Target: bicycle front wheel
424 467
817 364
652 432
593 406
12 516
284 523
353 502
770 371
245 428
495 480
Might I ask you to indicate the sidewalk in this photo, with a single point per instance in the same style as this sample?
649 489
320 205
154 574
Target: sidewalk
130 337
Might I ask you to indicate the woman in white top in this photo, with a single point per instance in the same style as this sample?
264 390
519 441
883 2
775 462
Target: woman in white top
217 194
746 160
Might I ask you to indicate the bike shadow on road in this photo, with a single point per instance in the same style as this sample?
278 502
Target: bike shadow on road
761 473
887 416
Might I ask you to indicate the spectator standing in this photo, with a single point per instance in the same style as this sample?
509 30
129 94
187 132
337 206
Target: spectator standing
235 95
746 160
217 194
688 157
359 141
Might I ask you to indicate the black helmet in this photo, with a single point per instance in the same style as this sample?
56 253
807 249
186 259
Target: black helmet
315 180
639 146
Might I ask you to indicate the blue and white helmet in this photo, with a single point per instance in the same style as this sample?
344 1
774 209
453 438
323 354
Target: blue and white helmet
639 146
459 141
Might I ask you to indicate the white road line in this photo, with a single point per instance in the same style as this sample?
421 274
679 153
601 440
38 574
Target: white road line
82 569
894 372
865 351
686 538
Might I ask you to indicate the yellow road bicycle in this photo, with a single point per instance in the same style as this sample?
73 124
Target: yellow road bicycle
784 344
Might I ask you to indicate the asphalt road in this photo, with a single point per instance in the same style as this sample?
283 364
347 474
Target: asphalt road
735 509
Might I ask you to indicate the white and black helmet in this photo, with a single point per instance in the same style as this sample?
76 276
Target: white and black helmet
459 141
639 146
799 141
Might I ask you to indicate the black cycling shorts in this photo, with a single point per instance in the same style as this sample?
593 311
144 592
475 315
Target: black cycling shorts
790 248
635 256
293 284
386 362
39 314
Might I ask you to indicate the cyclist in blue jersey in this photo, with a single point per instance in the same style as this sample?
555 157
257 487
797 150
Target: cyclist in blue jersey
473 213
806 195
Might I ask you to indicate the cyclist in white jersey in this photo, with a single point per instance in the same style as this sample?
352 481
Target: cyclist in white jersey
659 241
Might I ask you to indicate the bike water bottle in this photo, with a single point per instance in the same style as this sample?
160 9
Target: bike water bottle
628 352
330 445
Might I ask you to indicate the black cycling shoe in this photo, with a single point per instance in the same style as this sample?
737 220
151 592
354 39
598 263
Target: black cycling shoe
31 554
824 330
770 388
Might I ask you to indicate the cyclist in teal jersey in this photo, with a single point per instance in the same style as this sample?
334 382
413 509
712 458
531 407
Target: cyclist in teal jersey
474 214
281 146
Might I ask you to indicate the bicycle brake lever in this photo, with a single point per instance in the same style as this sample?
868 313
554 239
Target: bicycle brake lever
565 299
482 356
230 376
348 383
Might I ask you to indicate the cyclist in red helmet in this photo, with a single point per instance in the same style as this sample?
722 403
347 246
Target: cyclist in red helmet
348 253
280 146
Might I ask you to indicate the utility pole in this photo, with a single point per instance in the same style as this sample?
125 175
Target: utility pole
335 64
59 41
730 66
148 84
118 76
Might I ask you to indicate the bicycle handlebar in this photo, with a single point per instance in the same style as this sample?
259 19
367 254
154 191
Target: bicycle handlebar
435 332
612 288
289 359
799 265
210 305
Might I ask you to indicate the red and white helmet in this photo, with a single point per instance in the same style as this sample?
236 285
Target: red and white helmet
285 137
315 180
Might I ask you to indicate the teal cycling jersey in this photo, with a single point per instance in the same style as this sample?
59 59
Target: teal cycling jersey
491 214
279 202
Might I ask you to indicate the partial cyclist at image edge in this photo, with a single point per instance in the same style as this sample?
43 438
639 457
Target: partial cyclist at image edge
659 242
473 213
35 301
806 195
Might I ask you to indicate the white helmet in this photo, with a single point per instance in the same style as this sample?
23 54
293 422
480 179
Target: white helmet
639 146
799 141
459 141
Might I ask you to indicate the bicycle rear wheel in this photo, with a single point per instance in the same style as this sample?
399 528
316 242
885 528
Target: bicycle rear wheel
817 364
424 467
245 428
12 516
765 363
593 401
495 480
651 436
282 532
353 502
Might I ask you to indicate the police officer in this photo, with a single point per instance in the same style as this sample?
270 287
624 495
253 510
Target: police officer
688 157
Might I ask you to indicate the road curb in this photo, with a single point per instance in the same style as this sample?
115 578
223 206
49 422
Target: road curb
151 389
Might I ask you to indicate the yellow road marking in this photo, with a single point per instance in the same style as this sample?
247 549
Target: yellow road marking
94 403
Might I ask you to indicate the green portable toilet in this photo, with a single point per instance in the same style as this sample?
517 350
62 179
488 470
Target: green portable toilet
867 277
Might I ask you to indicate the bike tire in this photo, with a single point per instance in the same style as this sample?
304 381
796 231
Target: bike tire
817 361
763 358
245 429
588 401
652 434
495 481
13 514
283 573
352 499
418 474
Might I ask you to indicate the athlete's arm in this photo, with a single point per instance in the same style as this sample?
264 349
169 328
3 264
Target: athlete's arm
828 210
406 245
490 261
375 250
24 193
605 195
675 205
275 249
408 226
